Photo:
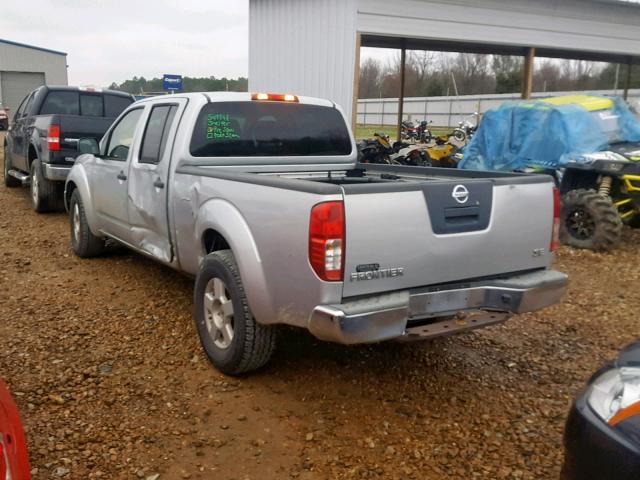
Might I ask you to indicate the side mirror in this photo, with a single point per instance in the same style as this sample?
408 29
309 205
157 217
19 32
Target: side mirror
88 145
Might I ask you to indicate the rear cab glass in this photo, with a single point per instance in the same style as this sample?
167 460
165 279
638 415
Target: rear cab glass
251 129
88 104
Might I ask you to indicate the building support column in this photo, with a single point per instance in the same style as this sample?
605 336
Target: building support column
627 80
527 80
356 85
403 61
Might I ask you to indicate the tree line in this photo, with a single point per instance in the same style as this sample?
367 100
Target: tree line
140 85
438 73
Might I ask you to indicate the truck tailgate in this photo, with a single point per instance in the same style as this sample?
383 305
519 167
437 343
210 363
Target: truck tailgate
401 236
74 127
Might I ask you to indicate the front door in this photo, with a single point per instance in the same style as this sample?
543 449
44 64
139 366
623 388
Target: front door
148 181
110 176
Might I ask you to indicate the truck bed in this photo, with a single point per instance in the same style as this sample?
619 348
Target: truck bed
408 218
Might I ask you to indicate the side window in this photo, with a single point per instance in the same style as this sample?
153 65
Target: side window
27 106
121 137
156 133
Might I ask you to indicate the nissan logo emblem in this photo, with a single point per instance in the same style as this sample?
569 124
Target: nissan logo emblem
460 194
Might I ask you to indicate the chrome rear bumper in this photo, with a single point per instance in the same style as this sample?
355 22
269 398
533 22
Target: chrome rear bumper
55 172
464 306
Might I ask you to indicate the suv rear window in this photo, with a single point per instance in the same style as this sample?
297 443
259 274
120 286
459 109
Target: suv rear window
250 129
68 102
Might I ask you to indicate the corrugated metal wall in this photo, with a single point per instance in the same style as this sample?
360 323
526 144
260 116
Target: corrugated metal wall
308 46
566 24
447 111
19 59
304 47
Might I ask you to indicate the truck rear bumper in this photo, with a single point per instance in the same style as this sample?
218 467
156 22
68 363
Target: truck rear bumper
418 313
55 172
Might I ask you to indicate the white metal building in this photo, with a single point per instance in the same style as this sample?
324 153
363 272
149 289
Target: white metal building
24 68
311 47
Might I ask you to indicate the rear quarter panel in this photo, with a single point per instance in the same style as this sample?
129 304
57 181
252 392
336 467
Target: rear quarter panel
267 230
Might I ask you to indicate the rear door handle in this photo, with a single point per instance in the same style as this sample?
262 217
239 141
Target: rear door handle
158 183
122 176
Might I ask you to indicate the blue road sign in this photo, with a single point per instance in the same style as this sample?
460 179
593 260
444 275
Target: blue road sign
172 82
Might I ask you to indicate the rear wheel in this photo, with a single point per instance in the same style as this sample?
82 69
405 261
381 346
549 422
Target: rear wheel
45 194
589 220
9 181
231 337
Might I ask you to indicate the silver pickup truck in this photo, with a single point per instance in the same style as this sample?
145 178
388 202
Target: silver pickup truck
260 198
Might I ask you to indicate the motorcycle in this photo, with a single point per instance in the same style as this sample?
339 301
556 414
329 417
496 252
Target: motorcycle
408 131
379 150
416 133
465 129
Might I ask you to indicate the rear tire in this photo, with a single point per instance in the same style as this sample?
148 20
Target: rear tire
231 337
589 220
9 181
46 195
84 243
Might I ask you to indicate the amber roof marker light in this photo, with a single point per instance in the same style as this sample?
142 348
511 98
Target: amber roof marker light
275 97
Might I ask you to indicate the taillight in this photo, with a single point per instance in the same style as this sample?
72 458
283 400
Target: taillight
555 236
53 138
327 241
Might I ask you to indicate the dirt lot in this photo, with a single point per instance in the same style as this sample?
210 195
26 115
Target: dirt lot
103 358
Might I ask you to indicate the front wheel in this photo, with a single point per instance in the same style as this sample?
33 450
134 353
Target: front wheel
9 181
231 337
459 135
84 243
589 220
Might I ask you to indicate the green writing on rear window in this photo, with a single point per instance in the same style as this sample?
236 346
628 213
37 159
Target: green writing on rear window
219 127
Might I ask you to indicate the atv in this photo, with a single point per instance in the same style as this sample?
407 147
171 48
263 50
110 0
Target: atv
599 195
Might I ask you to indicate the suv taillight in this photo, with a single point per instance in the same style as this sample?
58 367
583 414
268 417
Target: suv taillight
327 241
53 138
555 236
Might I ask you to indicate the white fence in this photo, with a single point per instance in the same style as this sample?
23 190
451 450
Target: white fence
448 111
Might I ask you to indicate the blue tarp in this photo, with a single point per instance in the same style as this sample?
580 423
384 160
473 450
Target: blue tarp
537 134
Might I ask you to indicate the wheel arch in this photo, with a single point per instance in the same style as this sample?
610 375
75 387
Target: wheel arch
220 226
77 180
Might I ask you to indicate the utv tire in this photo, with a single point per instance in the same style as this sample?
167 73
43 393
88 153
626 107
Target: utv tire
232 339
9 181
589 220
46 195
84 243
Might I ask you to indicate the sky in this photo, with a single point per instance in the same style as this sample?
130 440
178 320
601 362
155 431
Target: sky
113 40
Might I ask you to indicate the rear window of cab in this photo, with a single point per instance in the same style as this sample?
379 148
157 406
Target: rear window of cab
252 129
87 104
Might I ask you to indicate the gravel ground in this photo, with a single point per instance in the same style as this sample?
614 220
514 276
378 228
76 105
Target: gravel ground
104 362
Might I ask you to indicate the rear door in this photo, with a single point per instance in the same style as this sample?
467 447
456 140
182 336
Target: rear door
441 231
149 178
110 175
